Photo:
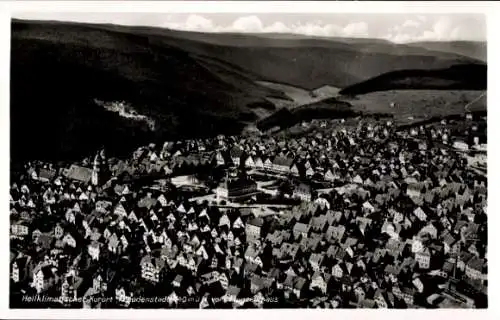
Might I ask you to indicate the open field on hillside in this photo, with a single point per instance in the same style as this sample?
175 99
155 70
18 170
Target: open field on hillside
298 96
420 104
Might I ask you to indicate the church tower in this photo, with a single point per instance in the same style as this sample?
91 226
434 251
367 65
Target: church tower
104 171
96 169
100 170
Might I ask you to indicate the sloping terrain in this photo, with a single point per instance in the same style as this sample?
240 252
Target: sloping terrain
330 108
187 84
417 104
297 96
326 92
479 104
309 63
473 49
305 62
58 70
459 77
311 67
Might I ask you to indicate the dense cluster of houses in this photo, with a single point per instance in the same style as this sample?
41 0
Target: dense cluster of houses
388 218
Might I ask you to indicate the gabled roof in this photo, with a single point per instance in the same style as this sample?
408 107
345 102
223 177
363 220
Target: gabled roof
449 239
301 227
318 222
282 161
233 291
45 240
251 252
261 282
316 257
79 173
303 188
147 202
332 251
476 264
156 262
47 174
236 152
256 222
295 282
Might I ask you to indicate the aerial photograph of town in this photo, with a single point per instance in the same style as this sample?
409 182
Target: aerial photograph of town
248 160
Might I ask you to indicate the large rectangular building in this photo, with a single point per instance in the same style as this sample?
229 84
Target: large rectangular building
237 189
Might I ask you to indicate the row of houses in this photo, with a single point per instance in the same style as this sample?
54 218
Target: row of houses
391 230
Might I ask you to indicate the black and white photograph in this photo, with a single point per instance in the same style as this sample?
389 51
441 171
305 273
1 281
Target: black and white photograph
248 160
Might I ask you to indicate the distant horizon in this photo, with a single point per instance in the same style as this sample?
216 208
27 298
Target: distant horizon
247 33
394 28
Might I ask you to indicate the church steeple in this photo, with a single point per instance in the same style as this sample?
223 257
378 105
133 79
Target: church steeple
99 170
96 169
102 154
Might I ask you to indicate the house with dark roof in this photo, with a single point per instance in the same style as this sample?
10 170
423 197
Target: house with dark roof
237 189
282 164
236 154
295 284
303 192
318 224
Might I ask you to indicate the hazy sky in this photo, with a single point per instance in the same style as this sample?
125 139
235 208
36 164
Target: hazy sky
394 27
